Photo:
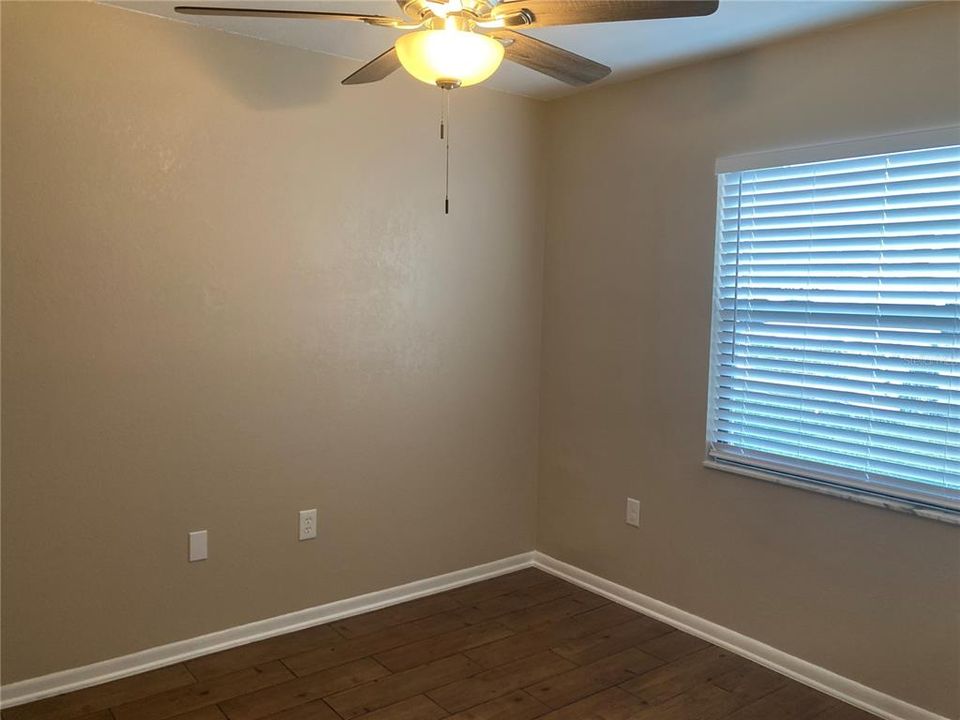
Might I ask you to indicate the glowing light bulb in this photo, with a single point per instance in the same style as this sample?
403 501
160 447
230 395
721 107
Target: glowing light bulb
449 57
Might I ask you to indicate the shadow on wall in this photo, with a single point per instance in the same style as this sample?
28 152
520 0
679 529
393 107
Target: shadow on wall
259 76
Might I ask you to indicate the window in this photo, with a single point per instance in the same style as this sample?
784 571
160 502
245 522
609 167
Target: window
836 326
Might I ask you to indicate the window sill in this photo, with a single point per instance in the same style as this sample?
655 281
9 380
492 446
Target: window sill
877 500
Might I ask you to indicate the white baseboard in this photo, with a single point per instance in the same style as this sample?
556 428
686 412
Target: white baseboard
849 691
854 693
58 683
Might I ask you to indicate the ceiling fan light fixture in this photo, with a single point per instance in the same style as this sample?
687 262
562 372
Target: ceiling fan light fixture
449 57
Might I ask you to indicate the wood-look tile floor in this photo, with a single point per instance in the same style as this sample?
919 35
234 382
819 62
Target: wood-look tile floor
519 646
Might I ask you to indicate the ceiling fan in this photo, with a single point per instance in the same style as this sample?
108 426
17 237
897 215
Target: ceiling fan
456 43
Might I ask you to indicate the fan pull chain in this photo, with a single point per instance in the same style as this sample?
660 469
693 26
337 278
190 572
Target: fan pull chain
445 136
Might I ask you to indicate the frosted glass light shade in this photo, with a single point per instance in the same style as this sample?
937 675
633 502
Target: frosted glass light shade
434 56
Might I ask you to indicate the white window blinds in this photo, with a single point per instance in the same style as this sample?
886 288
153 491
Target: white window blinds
836 331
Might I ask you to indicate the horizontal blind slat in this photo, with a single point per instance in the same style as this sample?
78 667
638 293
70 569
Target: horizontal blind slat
916 455
889 426
888 363
838 456
838 406
886 190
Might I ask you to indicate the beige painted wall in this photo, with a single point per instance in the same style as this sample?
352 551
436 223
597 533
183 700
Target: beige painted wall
868 593
229 294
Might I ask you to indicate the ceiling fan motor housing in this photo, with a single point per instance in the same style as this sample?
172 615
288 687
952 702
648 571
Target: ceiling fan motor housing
421 9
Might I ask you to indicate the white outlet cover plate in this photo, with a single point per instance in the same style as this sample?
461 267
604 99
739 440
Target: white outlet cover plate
198 545
633 512
308 524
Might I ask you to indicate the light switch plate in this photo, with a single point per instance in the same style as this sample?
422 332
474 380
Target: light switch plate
633 512
308 524
198 545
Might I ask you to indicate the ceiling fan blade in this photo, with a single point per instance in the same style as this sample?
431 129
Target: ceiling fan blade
289 14
550 60
377 69
544 13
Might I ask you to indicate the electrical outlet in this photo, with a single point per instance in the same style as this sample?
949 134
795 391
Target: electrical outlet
633 512
308 524
198 545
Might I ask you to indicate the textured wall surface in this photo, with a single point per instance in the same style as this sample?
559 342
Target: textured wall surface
230 293
871 594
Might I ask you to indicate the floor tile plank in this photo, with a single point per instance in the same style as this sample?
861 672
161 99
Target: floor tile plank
514 601
680 676
500 585
499 681
342 651
612 704
515 706
210 712
394 615
440 646
400 686
793 702
552 611
174 702
749 680
587 680
419 707
841 711
674 645
543 637
609 641
588 599
302 690
101 697
314 710
703 702
258 653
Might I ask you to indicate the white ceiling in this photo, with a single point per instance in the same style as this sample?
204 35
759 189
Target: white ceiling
630 48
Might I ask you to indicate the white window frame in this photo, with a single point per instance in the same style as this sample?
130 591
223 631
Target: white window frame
861 147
